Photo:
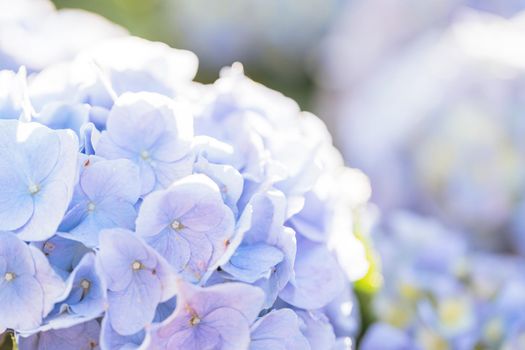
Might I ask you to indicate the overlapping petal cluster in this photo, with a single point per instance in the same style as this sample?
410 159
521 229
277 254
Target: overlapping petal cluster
141 210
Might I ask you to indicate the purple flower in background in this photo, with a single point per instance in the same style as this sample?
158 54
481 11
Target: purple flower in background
278 329
104 198
37 174
82 336
28 285
217 317
137 278
188 224
152 131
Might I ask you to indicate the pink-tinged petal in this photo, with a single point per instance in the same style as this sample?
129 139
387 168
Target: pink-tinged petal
231 325
242 297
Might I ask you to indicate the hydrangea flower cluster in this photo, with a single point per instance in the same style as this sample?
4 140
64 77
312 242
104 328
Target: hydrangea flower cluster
141 210
447 110
439 294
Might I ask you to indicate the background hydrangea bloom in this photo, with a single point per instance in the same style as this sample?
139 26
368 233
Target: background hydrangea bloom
437 291
37 173
454 151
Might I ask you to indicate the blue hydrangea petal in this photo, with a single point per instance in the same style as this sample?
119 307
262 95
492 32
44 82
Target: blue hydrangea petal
50 205
317 329
80 303
52 285
63 254
215 317
252 262
203 224
278 329
59 115
115 178
138 280
111 340
134 307
118 251
21 301
318 278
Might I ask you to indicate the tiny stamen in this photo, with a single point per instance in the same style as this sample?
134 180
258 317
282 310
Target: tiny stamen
91 206
49 246
144 155
195 320
34 189
85 284
137 265
177 225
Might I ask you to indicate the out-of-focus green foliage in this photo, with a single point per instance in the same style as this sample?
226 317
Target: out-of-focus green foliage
7 342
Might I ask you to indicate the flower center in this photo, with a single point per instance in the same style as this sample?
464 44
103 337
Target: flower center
9 276
91 206
85 284
49 246
195 320
177 225
33 189
137 265
144 155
